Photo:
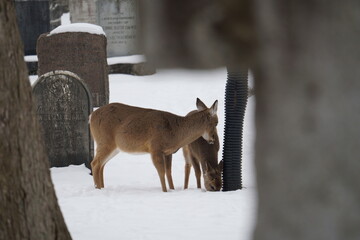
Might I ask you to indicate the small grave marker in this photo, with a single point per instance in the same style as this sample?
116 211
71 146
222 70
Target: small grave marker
63 104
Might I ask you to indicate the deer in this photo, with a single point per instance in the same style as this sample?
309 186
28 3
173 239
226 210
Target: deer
119 127
201 153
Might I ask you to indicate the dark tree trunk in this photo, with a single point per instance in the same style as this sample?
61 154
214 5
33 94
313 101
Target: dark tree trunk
307 120
28 204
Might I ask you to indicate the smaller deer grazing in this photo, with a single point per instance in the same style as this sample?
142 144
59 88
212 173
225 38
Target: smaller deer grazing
201 152
131 129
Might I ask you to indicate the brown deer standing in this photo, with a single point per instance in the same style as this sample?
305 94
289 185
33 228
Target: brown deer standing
201 153
131 129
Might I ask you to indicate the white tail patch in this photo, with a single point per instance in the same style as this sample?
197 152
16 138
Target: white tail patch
90 118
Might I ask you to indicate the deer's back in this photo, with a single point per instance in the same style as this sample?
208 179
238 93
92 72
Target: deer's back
133 129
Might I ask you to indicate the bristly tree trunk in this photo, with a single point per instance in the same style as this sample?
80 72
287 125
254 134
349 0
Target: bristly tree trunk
307 120
28 204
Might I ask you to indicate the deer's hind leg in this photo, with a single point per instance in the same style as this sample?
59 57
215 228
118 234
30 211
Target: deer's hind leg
112 154
103 154
168 163
158 159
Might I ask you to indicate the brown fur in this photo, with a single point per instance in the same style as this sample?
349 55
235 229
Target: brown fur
140 130
201 153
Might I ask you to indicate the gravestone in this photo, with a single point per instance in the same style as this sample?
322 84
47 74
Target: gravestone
83 53
118 18
63 104
83 11
33 18
57 9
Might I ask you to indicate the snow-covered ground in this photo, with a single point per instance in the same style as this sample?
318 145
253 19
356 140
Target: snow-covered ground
132 205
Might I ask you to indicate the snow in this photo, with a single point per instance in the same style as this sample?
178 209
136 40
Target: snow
65 19
132 205
78 27
31 58
126 59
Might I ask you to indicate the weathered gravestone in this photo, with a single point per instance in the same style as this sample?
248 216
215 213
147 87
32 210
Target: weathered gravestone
83 11
118 18
63 104
119 21
57 9
33 18
84 53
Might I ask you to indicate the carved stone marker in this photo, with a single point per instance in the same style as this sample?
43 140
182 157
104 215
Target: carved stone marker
63 104
83 53
57 9
83 11
33 18
118 18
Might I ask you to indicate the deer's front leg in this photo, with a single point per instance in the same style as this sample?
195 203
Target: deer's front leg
168 162
187 174
187 156
158 159
195 164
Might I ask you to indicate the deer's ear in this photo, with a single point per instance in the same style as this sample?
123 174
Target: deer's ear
214 108
200 105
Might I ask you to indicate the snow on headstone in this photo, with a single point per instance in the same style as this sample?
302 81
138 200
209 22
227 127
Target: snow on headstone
63 104
78 27
33 18
79 48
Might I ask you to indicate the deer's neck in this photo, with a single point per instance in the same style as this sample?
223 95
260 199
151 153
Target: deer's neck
191 128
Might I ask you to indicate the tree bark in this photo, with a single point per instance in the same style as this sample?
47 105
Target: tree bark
197 34
307 120
28 204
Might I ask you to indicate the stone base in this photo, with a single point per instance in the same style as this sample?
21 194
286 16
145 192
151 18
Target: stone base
32 68
137 69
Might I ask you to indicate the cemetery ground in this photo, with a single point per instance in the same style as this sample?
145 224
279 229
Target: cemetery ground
132 205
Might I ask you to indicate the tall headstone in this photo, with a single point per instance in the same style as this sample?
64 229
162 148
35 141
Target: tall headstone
83 53
33 18
83 11
63 104
119 18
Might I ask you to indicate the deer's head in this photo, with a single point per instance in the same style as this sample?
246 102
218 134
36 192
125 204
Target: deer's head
211 118
212 177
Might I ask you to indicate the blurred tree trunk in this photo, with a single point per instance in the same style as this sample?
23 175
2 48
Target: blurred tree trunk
28 204
307 120
197 34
